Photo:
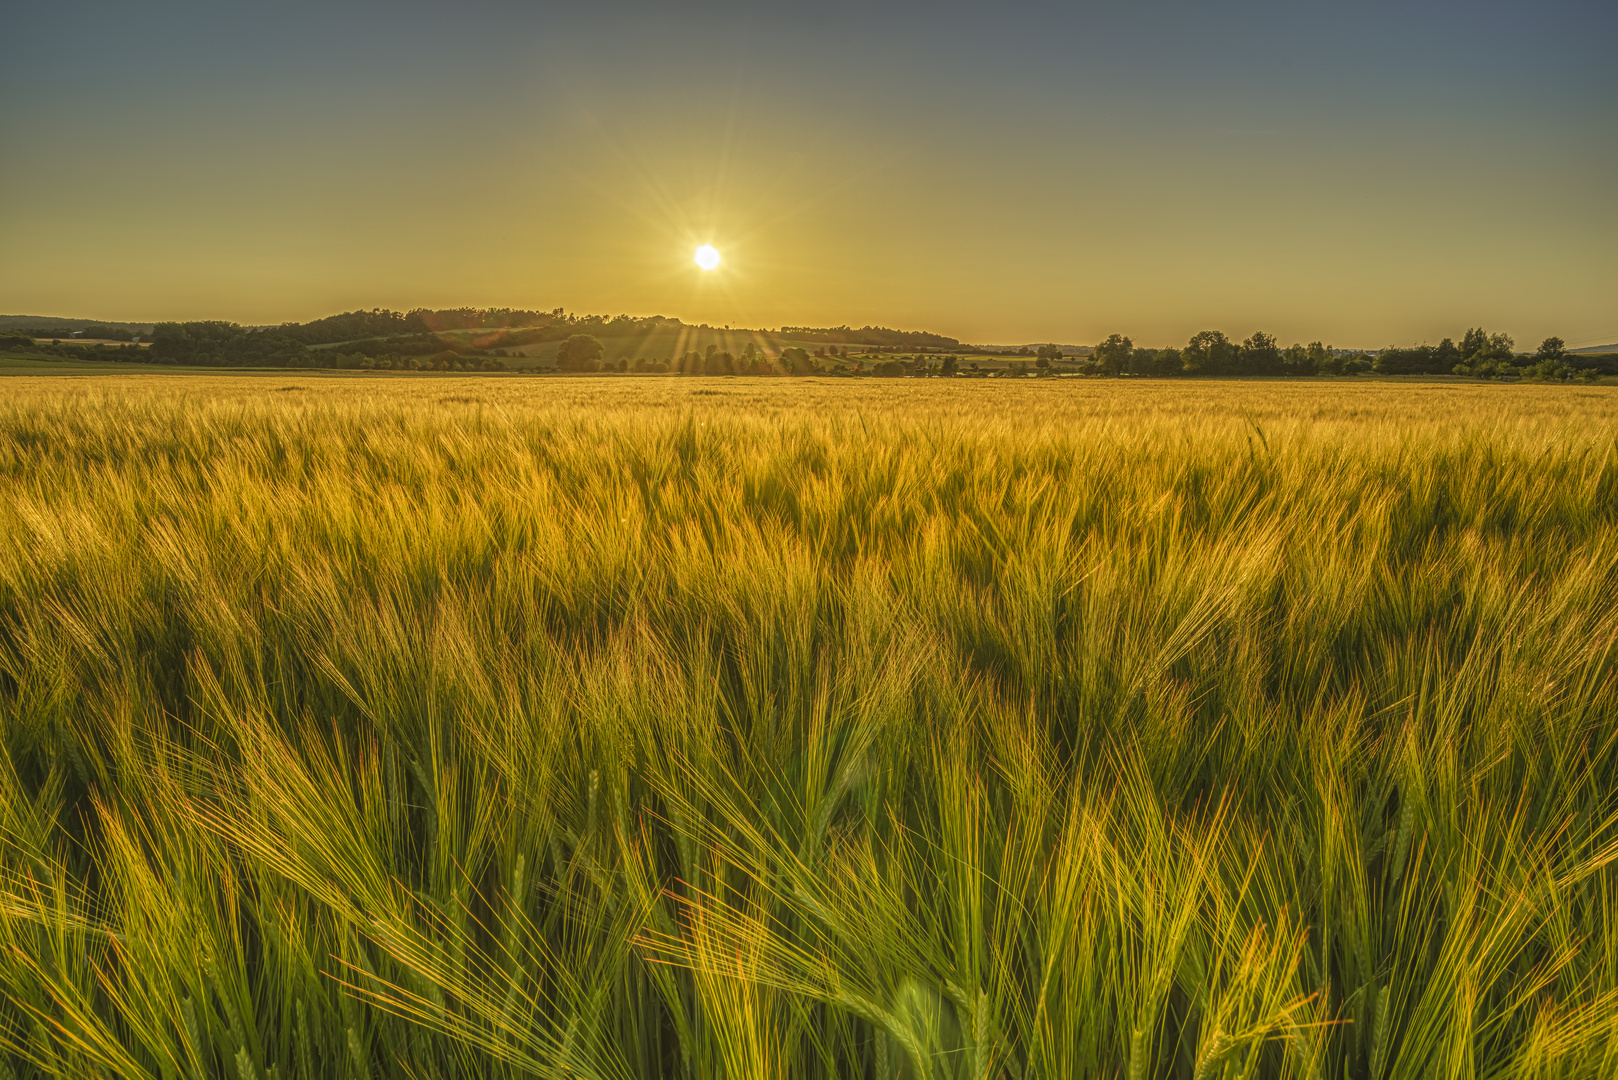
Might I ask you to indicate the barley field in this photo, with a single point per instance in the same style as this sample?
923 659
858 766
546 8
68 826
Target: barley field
393 729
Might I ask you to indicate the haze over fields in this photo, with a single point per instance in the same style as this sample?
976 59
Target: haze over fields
1364 174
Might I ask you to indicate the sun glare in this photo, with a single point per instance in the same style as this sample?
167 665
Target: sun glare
707 257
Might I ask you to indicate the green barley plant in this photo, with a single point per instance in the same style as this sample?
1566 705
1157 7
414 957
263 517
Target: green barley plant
719 729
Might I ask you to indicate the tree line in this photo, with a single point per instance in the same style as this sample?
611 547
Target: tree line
1479 354
54 326
871 335
464 338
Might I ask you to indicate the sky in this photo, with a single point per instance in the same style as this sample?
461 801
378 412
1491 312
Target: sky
1363 173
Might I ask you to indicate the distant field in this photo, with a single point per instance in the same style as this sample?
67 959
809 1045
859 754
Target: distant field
763 728
38 364
114 342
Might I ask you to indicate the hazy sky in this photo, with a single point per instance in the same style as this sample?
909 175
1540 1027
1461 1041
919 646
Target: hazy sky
1367 173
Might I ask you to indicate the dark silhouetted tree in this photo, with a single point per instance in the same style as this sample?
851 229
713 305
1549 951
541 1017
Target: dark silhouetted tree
1209 352
1113 355
796 360
581 352
1259 355
1323 359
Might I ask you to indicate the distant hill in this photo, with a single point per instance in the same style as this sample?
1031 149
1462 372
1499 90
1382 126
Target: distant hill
664 341
58 324
1613 348
465 339
493 333
869 335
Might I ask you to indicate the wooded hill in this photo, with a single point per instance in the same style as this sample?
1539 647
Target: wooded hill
473 332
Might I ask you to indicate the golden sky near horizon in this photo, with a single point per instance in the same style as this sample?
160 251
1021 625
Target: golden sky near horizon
1047 174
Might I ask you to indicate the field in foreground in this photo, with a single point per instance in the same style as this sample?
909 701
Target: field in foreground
723 730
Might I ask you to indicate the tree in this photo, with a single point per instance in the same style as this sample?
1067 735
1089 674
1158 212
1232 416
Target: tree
1259 355
1552 348
950 367
581 352
1209 352
796 360
1113 354
1155 362
1479 345
1324 360
1486 355
108 333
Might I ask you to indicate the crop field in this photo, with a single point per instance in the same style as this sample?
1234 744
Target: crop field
406 728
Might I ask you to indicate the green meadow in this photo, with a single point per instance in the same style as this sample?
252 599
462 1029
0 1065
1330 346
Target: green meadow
407 728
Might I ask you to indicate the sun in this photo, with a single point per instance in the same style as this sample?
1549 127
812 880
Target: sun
707 257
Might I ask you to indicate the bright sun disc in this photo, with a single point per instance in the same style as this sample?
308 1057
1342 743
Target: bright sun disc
707 257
